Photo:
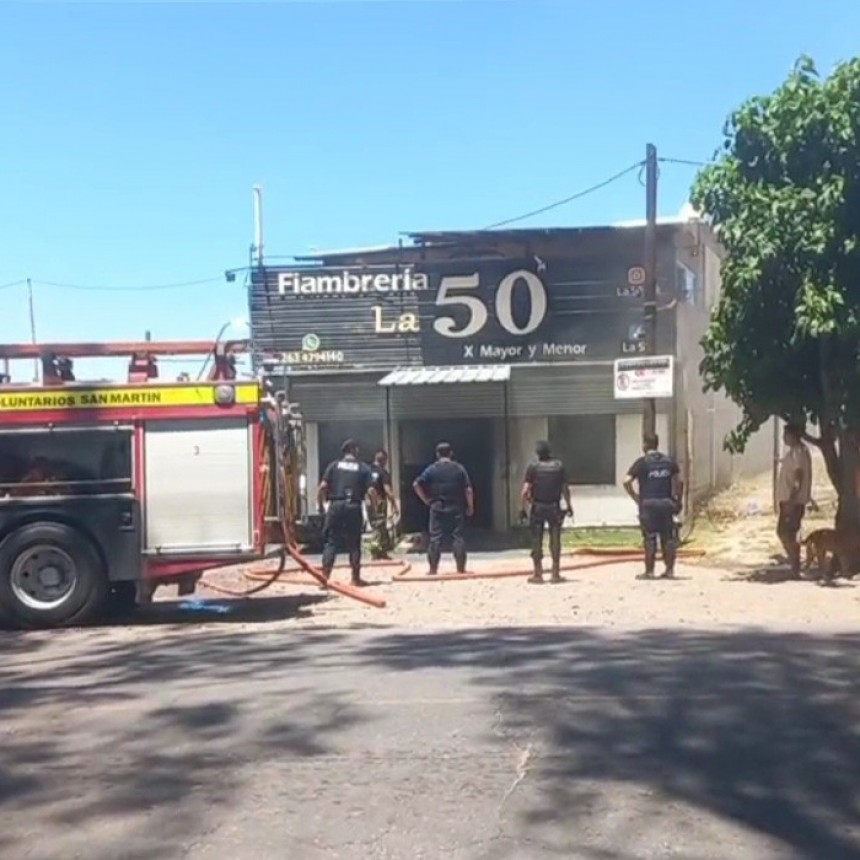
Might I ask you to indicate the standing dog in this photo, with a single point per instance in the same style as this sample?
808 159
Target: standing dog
828 542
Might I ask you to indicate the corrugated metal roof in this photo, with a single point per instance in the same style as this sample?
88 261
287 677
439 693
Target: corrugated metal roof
446 375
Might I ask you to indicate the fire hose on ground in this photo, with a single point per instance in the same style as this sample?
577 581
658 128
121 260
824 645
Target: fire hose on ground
598 556
579 559
284 504
582 558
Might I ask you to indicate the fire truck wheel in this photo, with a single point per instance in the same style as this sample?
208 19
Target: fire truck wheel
50 575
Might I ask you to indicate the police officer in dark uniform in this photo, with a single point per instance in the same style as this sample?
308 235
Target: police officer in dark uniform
659 498
543 489
345 484
445 487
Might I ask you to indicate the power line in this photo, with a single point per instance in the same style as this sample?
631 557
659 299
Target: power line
614 178
142 288
202 281
685 161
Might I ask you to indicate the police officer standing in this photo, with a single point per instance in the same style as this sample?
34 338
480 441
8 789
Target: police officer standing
659 499
345 484
543 489
445 487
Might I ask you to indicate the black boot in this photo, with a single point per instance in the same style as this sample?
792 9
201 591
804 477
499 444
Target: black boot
650 556
537 577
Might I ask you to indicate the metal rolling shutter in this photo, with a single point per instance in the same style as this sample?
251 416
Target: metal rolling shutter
338 398
568 390
198 486
458 400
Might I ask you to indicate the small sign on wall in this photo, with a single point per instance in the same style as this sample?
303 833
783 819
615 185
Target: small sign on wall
645 377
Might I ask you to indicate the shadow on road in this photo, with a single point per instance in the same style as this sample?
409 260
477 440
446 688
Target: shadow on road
758 729
156 732
224 610
206 610
779 575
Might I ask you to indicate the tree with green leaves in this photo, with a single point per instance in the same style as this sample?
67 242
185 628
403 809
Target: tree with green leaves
784 197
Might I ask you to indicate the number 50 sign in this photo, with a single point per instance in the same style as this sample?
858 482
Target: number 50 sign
459 291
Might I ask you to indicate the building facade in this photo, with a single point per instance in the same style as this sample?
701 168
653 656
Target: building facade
492 341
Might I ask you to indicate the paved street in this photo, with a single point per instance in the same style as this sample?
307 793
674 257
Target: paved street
245 739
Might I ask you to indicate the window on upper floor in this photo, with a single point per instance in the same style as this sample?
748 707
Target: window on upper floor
686 284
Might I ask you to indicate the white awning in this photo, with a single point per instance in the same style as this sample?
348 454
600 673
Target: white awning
446 375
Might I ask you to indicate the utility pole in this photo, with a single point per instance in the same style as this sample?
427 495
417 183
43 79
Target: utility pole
649 411
257 248
32 307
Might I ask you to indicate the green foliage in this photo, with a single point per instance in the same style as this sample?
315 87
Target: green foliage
784 196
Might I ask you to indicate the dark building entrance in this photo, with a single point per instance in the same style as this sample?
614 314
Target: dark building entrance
472 439
332 435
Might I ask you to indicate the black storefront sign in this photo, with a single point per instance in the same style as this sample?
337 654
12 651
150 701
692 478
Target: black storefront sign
478 311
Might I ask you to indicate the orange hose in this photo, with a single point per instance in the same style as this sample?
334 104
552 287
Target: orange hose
601 557
346 590
288 576
266 579
604 557
630 552
500 574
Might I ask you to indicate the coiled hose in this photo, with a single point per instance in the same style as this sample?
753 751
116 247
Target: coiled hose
283 497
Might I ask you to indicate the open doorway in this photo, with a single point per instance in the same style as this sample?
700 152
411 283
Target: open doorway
332 435
472 439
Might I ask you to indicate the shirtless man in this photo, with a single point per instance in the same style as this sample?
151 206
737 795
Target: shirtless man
793 492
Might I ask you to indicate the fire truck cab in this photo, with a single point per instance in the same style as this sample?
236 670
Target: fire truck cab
108 490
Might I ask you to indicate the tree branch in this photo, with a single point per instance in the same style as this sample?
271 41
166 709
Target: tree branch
828 434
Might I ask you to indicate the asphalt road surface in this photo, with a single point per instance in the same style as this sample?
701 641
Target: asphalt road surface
247 741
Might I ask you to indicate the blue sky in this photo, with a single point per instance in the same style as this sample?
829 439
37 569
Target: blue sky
134 132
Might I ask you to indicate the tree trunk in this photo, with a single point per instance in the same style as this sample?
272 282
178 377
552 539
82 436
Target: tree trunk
827 445
847 509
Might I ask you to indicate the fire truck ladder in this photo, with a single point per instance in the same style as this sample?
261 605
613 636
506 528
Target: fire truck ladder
57 358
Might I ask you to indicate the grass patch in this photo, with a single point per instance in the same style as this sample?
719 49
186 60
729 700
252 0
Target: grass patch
605 538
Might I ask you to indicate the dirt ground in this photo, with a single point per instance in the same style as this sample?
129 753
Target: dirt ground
737 527
739 581
605 596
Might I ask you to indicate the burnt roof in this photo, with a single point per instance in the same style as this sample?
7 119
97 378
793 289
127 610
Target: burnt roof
453 238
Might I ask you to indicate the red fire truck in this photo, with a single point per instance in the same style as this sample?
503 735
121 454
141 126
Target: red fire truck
109 489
